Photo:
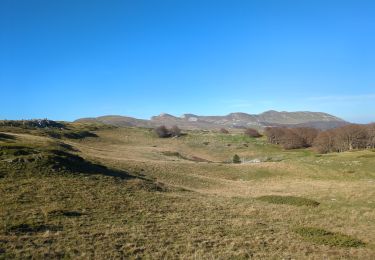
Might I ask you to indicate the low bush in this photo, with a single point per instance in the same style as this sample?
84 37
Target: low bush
252 133
224 131
164 132
236 159
290 200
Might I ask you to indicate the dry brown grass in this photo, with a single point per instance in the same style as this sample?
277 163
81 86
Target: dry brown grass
207 210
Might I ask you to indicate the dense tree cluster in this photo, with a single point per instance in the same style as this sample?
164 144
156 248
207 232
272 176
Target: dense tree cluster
251 132
291 138
164 132
346 138
339 139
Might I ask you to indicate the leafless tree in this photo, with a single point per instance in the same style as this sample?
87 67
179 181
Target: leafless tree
290 140
274 134
350 137
344 138
307 134
325 142
371 135
175 131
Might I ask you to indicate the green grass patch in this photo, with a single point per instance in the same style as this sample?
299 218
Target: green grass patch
366 156
289 200
328 238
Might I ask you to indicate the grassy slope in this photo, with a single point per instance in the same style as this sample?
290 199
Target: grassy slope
207 210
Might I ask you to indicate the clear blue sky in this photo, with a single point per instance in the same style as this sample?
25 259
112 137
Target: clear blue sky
77 58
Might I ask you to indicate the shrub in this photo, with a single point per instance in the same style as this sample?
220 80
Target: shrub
236 159
162 132
290 200
251 132
224 131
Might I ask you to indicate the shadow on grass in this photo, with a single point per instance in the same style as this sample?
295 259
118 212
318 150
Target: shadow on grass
65 161
65 213
180 156
22 161
70 134
6 137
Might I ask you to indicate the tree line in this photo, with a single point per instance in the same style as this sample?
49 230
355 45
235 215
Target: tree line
339 139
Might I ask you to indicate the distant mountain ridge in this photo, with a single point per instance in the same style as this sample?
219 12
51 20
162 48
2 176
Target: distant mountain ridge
233 120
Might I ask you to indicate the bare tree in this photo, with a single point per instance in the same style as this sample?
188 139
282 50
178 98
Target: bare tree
290 140
371 135
307 134
343 138
325 142
175 131
350 137
274 134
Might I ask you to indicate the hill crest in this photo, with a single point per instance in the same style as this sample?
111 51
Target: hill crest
318 120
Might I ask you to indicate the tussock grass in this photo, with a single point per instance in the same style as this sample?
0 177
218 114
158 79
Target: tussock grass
289 200
328 238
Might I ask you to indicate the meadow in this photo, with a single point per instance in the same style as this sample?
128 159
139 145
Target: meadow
125 193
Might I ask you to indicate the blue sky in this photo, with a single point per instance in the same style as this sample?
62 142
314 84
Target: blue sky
77 58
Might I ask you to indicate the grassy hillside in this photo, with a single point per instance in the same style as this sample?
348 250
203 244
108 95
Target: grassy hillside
122 192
